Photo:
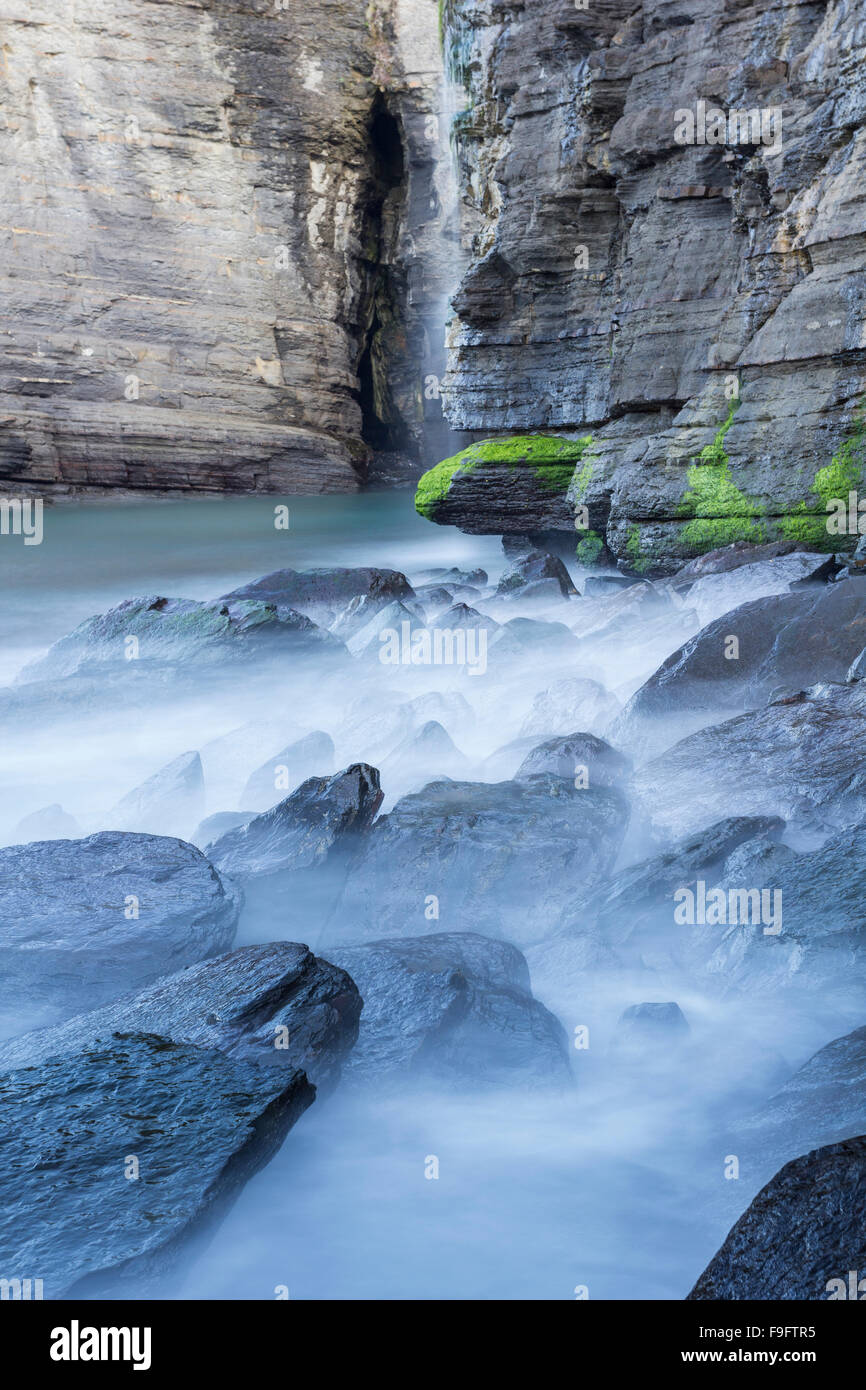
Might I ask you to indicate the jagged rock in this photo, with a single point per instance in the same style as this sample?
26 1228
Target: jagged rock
373 734
197 1123
800 1236
318 589
275 1005
453 576
49 823
429 753
83 921
791 759
434 596
168 803
451 1007
305 829
528 571
461 615
574 755
310 756
176 636
575 702
786 642
369 638
488 853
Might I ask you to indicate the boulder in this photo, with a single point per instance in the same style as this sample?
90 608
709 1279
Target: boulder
573 756
146 638
451 1007
714 594
330 588
48 823
168 803
275 1005
532 569
575 702
127 1155
801 1235
501 859
84 921
795 759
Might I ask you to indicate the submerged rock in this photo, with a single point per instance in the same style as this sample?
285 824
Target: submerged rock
275 1004
310 756
650 1029
168 803
127 1154
83 921
801 1235
578 756
451 1007
528 571
48 823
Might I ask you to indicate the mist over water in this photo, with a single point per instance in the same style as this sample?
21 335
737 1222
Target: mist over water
616 1184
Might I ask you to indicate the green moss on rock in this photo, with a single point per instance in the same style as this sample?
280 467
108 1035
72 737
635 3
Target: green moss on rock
589 549
720 512
552 460
807 523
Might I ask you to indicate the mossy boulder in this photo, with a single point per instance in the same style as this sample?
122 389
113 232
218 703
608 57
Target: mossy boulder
506 486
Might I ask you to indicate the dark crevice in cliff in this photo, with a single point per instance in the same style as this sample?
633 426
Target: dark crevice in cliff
383 343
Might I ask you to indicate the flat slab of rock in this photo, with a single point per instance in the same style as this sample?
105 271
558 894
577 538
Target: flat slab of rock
84 921
801 1235
275 1005
190 1124
451 1007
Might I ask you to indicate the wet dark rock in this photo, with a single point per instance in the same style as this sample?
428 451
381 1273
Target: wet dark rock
461 615
451 1007
731 557
577 756
801 1235
83 921
453 576
792 759
602 585
48 823
785 642
527 571
168 803
434 595
312 755
274 1004
305 829
198 1124
482 856
318 589
715 594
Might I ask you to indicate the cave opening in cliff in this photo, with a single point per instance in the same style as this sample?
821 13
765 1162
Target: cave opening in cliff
381 364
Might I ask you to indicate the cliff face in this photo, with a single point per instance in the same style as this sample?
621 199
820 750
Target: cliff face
224 237
697 309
